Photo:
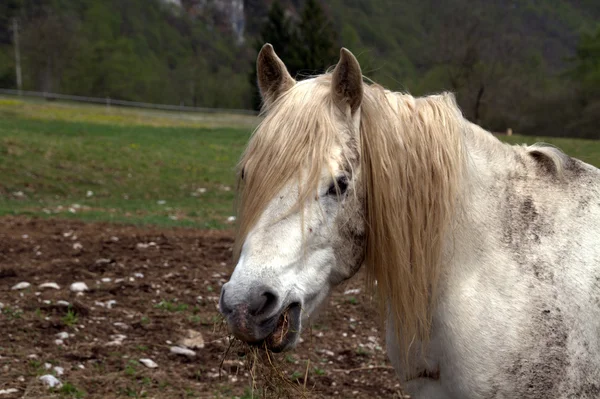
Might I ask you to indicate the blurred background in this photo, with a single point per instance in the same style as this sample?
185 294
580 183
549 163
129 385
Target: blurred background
531 65
121 123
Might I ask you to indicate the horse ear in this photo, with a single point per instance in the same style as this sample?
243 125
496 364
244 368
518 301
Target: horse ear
273 77
347 83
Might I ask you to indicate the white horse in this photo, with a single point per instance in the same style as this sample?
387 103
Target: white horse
484 257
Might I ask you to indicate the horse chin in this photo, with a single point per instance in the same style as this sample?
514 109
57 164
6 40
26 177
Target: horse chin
286 333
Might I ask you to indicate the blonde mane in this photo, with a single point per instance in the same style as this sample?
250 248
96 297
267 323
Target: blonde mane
411 160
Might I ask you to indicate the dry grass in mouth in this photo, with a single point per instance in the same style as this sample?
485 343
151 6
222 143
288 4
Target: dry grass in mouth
267 376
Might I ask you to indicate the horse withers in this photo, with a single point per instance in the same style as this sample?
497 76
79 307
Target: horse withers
484 258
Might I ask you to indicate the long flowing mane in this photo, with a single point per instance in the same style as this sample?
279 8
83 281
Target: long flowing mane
411 159
412 163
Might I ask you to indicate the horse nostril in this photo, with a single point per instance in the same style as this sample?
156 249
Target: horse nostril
222 305
263 303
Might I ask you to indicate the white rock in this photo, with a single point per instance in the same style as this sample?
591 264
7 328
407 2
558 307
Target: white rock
77 246
80 366
118 337
47 366
1 305
193 340
161 202
102 261
79 287
32 356
106 279
49 285
21 286
59 342
62 335
63 303
231 219
89 193
138 275
59 370
327 352
120 325
8 391
182 351
110 303
50 381
352 291
149 363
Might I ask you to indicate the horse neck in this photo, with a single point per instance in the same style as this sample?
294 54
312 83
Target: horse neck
489 160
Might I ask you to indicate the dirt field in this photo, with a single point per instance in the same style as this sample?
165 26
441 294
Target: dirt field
147 288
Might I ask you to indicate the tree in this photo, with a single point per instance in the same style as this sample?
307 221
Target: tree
278 30
585 76
317 38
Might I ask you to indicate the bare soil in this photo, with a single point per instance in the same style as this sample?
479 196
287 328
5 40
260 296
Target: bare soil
165 282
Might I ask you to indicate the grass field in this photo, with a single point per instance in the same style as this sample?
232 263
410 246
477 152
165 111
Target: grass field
141 167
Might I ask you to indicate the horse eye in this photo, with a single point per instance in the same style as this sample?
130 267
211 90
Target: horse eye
342 186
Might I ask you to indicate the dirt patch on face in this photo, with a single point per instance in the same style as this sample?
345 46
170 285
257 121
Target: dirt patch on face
147 288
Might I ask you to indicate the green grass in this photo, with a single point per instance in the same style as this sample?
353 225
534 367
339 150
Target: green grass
137 167
133 173
70 319
171 306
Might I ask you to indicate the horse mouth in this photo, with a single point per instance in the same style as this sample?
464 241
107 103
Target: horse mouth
286 331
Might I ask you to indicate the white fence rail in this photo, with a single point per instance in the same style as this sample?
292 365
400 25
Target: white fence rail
111 101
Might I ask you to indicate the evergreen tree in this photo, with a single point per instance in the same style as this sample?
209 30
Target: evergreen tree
278 30
317 38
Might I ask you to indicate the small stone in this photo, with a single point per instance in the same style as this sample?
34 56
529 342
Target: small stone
59 370
102 261
62 335
21 286
53 286
80 366
120 325
50 381
63 303
352 291
106 279
47 366
110 303
327 352
193 340
149 363
77 246
1 305
231 219
138 275
59 342
79 287
182 351
32 356
8 391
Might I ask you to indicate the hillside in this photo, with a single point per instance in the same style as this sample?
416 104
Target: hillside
503 59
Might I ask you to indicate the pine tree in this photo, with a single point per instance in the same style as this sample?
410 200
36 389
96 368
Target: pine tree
280 32
317 38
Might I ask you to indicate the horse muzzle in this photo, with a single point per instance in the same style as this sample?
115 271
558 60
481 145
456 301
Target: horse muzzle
259 320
